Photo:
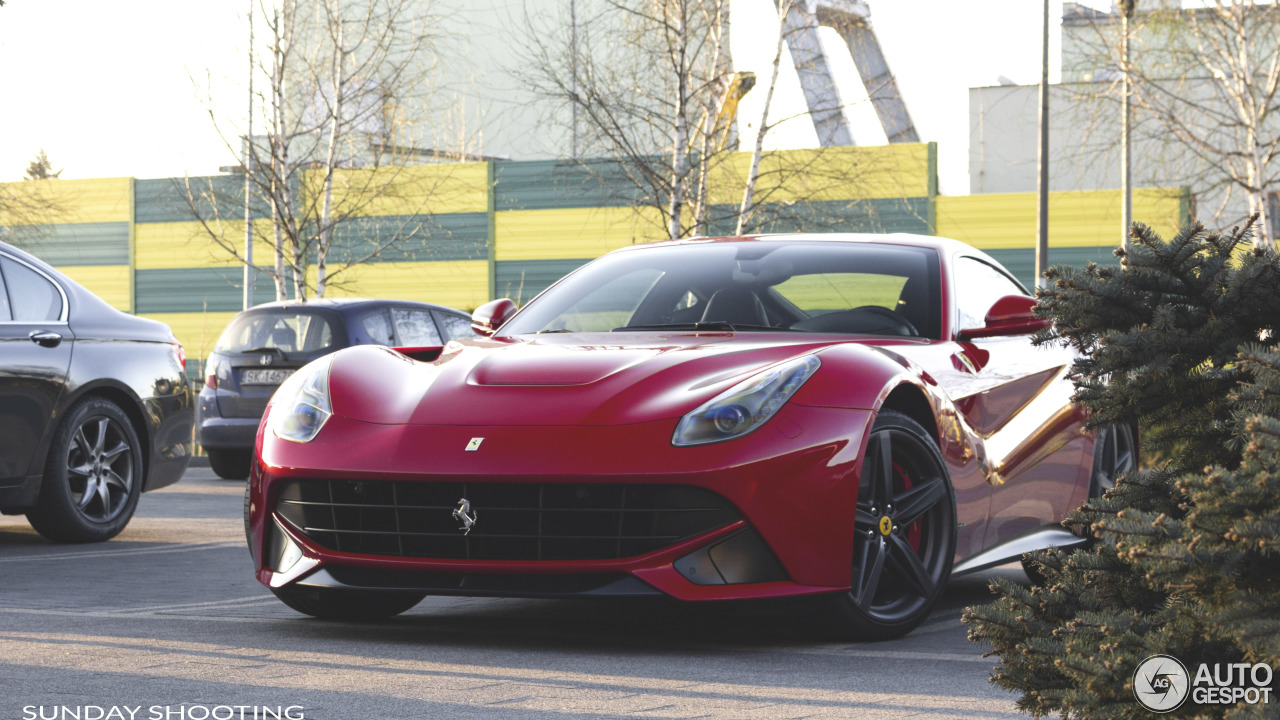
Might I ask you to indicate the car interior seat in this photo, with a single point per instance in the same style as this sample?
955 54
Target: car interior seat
284 338
736 304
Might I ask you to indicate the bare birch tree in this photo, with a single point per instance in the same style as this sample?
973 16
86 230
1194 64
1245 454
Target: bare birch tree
338 76
646 79
1206 87
651 89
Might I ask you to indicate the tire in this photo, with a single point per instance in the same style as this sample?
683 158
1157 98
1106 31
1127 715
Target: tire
357 605
1114 454
230 464
904 534
93 475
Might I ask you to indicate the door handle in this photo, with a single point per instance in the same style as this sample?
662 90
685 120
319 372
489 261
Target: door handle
45 338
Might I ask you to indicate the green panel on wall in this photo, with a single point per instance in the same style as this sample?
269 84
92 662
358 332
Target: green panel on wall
170 199
547 184
186 290
413 238
907 215
1022 261
99 243
521 280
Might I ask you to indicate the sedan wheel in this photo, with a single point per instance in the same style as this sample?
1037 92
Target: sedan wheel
93 477
904 533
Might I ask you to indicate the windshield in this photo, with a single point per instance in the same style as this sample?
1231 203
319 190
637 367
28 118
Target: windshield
289 331
826 287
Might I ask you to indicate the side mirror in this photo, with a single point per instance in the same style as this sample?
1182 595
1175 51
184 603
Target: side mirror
1010 315
492 315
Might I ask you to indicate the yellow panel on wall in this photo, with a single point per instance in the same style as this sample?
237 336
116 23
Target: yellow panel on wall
196 331
573 233
412 190
69 201
819 174
1076 219
109 282
189 244
458 284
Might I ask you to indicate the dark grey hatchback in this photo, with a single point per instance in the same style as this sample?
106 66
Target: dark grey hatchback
263 345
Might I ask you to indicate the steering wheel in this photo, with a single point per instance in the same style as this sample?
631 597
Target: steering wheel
887 314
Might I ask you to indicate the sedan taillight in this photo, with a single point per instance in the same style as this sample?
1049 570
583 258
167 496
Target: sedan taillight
180 353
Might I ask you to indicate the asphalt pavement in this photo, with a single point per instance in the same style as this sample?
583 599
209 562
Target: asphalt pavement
167 623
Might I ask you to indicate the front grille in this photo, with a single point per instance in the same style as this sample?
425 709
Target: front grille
514 521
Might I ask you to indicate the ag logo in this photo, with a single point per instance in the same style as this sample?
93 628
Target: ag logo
1161 683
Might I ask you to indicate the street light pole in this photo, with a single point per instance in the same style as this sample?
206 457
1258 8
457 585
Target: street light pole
1042 161
248 181
1126 118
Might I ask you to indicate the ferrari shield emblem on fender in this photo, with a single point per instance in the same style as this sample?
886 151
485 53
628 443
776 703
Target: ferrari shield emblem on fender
474 445
465 515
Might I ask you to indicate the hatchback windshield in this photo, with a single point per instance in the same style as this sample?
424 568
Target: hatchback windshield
767 285
289 331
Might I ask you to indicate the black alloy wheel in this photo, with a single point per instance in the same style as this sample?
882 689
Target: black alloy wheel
904 533
355 605
93 476
1114 454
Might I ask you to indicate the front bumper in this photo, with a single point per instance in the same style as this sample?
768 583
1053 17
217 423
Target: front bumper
793 484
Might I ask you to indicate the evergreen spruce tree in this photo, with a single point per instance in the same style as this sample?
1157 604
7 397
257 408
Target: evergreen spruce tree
1181 338
41 169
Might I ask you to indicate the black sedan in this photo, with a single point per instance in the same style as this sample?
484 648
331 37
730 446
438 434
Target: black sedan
95 407
264 345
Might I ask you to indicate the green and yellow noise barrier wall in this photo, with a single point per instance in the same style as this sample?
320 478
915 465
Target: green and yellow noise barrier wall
510 229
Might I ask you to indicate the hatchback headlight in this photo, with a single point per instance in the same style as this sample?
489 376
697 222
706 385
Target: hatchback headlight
745 406
301 404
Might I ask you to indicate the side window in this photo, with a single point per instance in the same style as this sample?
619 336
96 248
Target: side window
414 327
457 327
33 298
5 313
978 286
377 325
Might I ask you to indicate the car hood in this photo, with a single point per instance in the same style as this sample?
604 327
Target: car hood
570 379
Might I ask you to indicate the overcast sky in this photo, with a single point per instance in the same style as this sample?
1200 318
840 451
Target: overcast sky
106 88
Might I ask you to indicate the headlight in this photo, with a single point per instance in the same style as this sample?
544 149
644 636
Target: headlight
302 403
745 406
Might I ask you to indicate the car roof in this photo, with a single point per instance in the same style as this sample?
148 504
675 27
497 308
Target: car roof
344 305
946 245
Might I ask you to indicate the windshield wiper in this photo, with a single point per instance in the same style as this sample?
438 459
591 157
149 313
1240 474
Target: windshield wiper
265 349
715 325
557 330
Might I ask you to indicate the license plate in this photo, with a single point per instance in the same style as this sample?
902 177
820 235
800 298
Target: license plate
264 377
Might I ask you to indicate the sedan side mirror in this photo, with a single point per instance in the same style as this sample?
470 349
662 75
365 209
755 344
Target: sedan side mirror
489 317
1010 315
